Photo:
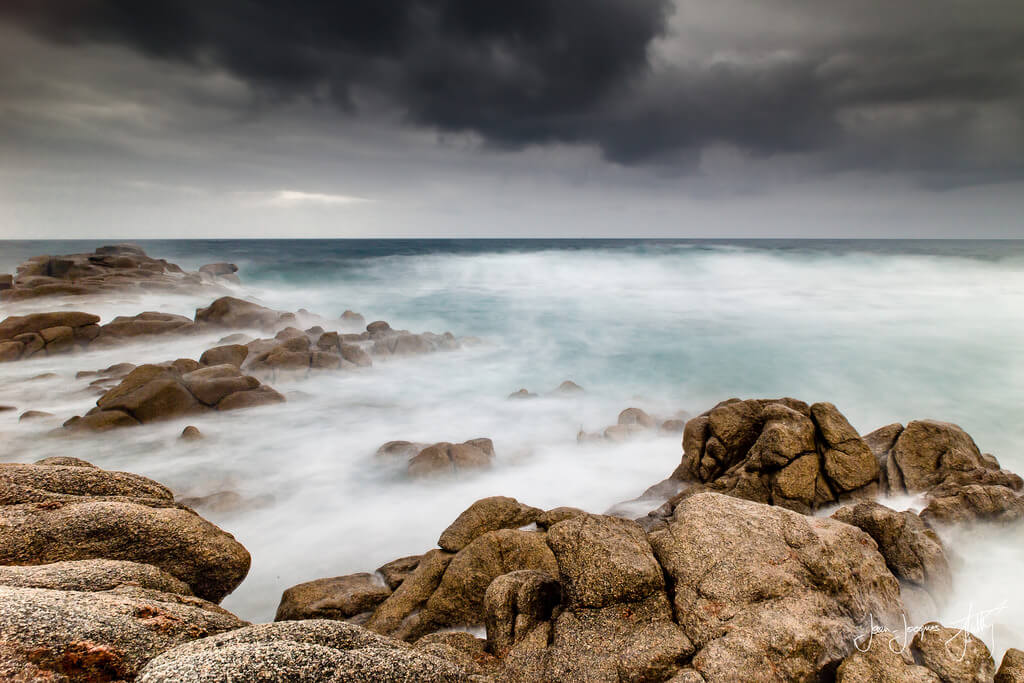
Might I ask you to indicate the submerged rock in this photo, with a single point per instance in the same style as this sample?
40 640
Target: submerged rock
447 458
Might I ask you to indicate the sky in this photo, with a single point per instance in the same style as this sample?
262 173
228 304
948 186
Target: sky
534 118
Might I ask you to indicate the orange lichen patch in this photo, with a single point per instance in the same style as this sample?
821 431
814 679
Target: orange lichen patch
79 661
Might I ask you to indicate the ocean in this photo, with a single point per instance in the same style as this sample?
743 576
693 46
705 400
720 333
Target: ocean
889 331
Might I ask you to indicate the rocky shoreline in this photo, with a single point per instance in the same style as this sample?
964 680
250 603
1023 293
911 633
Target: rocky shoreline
768 553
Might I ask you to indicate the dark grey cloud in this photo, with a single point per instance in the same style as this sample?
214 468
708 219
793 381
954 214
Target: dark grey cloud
933 88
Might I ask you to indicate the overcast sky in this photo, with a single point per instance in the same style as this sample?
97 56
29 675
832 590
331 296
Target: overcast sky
692 118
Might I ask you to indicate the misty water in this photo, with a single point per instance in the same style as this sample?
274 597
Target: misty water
888 331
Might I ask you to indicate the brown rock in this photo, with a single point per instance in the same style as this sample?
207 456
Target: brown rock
928 451
635 416
459 597
604 560
975 503
569 387
487 514
33 415
145 324
396 571
261 396
953 654
92 576
355 354
314 650
232 354
64 635
516 605
340 597
102 421
54 513
191 433
400 449
10 350
911 549
22 324
555 515
760 588
522 393
398 612
219 269
158 399
443 458
1012 668
58 339
849 462
228 311
213 383
881 658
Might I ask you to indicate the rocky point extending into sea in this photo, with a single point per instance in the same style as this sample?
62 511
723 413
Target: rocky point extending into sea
768 554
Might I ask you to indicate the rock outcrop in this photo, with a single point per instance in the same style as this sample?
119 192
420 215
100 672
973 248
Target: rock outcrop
784 452
102 571
97 635
941 461
55 513
151 393
728 590
43 334
121 267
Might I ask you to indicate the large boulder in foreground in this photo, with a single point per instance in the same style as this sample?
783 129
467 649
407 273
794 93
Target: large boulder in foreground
615 622
58 513
315 650
765 591
99 635
151 393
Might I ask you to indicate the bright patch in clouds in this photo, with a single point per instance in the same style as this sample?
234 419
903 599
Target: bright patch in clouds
292 198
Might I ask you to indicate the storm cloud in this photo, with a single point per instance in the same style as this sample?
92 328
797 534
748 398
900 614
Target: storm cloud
539 117
933 88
